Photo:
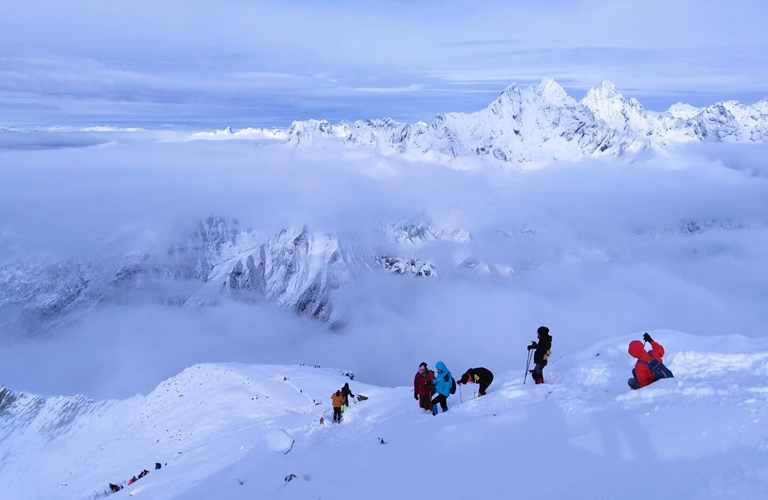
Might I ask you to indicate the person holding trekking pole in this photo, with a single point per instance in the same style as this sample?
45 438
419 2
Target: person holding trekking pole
543 349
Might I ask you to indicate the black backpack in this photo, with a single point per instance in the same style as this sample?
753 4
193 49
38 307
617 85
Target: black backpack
453 385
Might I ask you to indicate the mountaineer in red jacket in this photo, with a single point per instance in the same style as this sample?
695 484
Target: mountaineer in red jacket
649 367
422 387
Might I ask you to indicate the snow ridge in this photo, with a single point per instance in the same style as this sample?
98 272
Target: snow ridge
216 427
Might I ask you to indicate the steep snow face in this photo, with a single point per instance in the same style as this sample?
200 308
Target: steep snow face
242 431
297 269
620 114
535 125
517 123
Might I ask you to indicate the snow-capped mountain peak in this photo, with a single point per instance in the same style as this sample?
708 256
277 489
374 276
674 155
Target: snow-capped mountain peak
553 93
621 114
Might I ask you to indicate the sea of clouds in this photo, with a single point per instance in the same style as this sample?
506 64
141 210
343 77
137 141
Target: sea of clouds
599 247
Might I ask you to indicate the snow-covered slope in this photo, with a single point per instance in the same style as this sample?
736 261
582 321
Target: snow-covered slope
222 429
534 125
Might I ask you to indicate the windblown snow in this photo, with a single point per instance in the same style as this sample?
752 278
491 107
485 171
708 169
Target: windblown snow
233 431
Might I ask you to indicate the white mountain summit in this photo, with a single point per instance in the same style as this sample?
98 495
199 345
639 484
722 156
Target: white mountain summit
536 125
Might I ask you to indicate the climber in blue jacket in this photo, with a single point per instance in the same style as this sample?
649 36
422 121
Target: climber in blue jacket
443 383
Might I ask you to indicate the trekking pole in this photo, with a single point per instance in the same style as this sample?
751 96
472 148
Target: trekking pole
527 365
461 398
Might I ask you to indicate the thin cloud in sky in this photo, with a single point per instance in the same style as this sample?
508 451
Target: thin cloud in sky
261 63
410 88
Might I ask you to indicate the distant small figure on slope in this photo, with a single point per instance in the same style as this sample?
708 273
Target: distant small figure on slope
422 387
543 351
649 367
481 376
338 400
444 387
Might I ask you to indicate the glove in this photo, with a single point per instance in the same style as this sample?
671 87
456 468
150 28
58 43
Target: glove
647 337
416 397
533 345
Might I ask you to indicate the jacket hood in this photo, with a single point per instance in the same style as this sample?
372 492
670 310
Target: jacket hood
637 349
441 367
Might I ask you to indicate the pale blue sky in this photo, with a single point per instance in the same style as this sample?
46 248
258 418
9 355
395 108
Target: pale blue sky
205 64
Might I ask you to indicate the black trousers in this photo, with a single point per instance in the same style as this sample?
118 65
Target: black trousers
443 400
337 413
484 383
538 371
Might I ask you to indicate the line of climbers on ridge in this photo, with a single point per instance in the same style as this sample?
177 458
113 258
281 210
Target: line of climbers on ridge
114 488
340 400
426 384
432 389
441 385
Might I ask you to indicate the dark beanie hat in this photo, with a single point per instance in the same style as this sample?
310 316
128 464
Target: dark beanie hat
543 330
423 364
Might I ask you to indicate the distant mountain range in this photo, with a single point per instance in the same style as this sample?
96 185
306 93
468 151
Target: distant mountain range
535 125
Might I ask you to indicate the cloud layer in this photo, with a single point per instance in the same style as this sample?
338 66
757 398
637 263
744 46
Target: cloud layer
599 248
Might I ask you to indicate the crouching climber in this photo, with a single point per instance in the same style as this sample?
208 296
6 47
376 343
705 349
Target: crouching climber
422 387
444 387
338 400
541 355
115 488
649 367
481 376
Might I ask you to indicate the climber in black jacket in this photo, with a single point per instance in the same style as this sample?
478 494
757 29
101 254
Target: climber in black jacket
481 376
543 350
346 392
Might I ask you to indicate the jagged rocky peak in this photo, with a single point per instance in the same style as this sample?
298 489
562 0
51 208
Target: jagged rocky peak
553 93
606 91
683 111
618 112
49 418
761 106
418 231
216 231
548 91
508 100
